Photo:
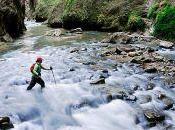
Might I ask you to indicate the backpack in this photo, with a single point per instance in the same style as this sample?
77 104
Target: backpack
32 67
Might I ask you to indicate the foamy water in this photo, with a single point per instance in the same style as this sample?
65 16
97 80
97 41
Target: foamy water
52 109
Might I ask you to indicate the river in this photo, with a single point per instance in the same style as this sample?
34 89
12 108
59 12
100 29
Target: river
72 103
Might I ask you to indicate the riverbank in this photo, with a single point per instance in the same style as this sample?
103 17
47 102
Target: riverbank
110 16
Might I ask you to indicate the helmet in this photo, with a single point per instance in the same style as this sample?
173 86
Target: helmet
39 59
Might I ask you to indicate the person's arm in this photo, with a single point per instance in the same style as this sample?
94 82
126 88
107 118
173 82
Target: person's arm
45 68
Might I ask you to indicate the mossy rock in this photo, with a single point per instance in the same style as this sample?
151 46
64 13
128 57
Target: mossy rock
135 23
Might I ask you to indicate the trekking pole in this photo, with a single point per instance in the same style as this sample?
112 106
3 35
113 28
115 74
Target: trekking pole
54 77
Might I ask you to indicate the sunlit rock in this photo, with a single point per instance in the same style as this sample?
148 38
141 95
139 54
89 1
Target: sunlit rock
166 44
54 33
154 116
76 30
98 81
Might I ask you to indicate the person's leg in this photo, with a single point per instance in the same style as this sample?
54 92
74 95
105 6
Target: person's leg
32 83
41 82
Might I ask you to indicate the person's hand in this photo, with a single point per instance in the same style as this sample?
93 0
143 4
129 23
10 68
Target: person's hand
51 68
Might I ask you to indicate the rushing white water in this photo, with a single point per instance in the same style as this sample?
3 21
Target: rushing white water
30 24
49 110
53 108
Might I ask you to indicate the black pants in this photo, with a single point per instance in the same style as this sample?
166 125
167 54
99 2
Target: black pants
34 81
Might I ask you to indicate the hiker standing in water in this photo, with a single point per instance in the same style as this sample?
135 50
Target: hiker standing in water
36 74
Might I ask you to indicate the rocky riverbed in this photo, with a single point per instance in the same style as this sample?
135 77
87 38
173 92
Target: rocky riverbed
104 81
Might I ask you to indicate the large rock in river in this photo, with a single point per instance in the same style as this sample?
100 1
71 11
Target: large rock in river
5 123
12 14
165 44
118 37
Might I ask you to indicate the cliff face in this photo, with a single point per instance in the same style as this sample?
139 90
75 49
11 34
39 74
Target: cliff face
12 14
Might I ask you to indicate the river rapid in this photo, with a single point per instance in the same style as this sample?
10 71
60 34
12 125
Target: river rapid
73 103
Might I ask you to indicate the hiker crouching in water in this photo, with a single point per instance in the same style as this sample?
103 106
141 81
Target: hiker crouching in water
36 74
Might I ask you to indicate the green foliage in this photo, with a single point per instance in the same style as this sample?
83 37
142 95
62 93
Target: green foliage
152 12
73 19
69 3
135 23
44 8
42 11
165 23
81 13
49 2
106 15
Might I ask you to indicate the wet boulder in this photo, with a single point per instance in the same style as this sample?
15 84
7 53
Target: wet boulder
54 33
112 51
150 86
89 63
72 69
119 37
106 53
98 81
5 123
147 60
167 102
118 51
147 38
166 44
55 23
150 50
127 49
126 38
105 71
75 50
114 96
151 70
137 60
84 49
159 58
154 115
161 96
104 74
133 54
115 93
76 30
